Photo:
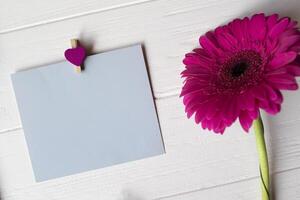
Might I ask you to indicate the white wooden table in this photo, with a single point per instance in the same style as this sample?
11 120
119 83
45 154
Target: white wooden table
197 165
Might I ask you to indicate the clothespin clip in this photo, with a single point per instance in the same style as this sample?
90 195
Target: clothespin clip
76 55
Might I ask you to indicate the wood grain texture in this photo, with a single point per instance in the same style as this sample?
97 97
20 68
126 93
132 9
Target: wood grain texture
198 164
285 186
17 15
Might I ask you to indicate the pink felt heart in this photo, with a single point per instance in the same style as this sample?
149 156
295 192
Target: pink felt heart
75 56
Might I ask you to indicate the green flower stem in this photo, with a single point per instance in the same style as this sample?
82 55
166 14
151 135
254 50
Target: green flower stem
263 158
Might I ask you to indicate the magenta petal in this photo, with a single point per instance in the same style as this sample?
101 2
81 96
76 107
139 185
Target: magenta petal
245 26
209 44
283 86
282 59
279 28
225 39
279 98
271 93
258 26
199 116
245 120
191 59
253 113
221 127
196 59
204 124
283 82
272 21
212 108
286 78
236 29
232 110
260 94
247 101
292 24
273 108
293 70
288 42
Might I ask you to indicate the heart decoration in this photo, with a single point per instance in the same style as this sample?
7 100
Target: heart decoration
75 56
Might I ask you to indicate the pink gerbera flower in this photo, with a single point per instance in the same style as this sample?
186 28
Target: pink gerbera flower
240 68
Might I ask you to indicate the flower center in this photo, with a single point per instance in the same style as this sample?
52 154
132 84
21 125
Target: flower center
239 72
239 68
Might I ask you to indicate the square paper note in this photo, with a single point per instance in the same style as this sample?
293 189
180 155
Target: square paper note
78 122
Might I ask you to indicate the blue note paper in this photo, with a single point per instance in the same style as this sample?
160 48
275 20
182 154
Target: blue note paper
79 122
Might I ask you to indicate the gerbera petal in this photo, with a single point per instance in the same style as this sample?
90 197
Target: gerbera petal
260 94
245 120
293 70
279 99
244 27
278 71
194 71
191 99
207 110
208 43
218 125
292 24
253 113
271 21
296 47
282 59
272 94
273 108
284 82
203 54
279 28
221 128
283 78
285 86
287 42
236 30
191 59
200 115
198 59
258 26
232 110
204 123
192 89
247 101
289 32
225 39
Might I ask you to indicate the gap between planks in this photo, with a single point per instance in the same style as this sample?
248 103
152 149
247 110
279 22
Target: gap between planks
4 131
222 185
50 21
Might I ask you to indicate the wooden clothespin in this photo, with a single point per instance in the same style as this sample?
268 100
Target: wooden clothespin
74 44
76 55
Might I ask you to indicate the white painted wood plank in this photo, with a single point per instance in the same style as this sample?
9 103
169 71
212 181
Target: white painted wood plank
194 160
9 116
16 15
285 185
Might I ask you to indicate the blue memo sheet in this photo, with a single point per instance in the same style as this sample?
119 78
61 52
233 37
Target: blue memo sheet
79 122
